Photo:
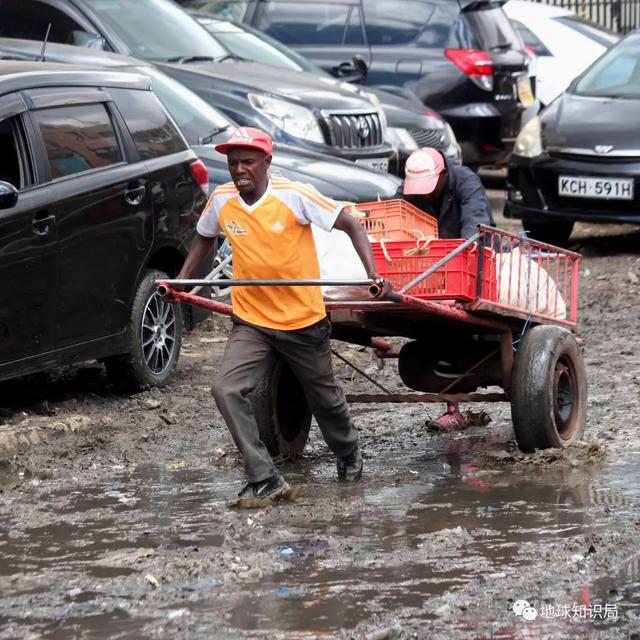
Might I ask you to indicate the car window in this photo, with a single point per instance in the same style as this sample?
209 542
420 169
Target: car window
492 29
309 23
29 20
615 74
153 132
530 39
78 138
590 29
155 29
12 160
385 24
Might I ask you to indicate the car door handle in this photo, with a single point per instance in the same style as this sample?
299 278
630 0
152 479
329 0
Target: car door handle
42 222
134 194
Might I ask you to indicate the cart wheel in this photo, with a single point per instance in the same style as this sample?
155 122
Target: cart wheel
281 411
548 389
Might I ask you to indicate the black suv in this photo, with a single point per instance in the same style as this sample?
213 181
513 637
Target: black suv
295 108
463 58
99 195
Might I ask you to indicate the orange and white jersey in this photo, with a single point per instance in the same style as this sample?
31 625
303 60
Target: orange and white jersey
272 239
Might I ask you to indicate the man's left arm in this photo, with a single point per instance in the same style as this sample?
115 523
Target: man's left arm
475 207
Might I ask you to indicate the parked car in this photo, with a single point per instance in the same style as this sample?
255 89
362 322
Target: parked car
462 58
99 196
580 159
555 35
203 126
295 108
410 124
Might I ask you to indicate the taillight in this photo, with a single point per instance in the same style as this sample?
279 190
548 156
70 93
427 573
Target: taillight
200 174
473 63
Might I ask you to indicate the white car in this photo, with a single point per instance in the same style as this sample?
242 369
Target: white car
565 43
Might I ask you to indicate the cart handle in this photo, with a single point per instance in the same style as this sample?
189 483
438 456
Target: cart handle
165 287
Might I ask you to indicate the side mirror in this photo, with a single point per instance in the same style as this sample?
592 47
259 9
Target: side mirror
361 66
85 39
354 71
8 195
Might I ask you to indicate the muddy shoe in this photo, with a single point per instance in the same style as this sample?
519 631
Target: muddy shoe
350 467
269 488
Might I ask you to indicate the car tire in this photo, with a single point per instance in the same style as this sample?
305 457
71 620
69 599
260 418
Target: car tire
155 334
556 233
548 389
281 411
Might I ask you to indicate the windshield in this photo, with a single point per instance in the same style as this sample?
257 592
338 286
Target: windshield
197 119
156 29
249 43
616 74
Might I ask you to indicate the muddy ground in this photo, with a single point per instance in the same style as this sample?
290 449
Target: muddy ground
114 520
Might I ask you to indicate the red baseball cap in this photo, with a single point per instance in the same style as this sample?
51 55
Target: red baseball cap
422 170
247 137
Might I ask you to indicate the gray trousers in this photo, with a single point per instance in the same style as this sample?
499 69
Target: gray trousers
249 354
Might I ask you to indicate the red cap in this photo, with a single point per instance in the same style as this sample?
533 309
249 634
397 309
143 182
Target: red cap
422 170
247 137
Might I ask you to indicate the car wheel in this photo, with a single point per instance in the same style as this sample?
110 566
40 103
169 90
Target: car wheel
281 411
548 389
556 233
155 333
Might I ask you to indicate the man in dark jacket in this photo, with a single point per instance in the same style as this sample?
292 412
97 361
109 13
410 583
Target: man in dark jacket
454 196
451 193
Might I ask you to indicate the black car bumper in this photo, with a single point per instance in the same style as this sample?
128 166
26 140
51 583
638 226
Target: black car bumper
485 134
533 190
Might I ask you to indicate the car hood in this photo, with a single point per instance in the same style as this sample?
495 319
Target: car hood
336 179
297 86
582 122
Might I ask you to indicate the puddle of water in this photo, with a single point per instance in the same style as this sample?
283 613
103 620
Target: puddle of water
383 557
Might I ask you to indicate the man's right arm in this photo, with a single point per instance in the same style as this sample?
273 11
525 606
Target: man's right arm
200 247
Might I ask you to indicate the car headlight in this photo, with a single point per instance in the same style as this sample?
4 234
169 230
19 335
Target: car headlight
401 139
529 141
452 150
294 119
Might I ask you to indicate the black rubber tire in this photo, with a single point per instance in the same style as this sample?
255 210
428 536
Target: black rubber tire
281 411
556 233
132 372
548 389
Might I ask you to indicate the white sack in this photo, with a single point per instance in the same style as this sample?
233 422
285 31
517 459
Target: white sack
525 284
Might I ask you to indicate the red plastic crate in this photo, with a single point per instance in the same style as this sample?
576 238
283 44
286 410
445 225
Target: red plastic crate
455 280
396 220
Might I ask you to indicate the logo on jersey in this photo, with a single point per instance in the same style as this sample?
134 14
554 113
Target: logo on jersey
233 227
278 226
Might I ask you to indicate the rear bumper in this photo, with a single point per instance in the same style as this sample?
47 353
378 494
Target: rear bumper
485 134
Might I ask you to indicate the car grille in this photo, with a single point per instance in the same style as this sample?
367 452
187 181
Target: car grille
352 130
429 137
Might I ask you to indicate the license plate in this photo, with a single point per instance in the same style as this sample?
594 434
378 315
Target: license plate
377 164
604 188
524 91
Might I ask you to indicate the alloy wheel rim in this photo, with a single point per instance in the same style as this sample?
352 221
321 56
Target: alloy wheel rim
158 334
